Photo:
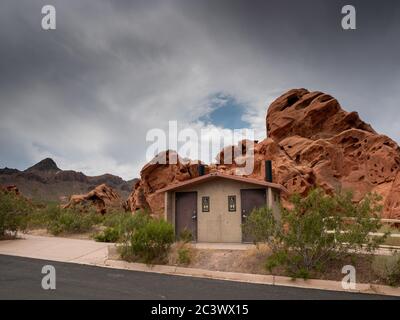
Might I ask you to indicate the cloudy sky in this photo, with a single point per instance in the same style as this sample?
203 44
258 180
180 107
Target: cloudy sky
87 93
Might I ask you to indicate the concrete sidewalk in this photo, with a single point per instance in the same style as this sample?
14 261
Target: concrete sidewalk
56 249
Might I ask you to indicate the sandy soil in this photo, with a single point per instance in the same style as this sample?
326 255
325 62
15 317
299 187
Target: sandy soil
253 261
44 233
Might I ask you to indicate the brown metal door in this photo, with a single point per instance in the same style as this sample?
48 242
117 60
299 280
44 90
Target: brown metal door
251 199
186 213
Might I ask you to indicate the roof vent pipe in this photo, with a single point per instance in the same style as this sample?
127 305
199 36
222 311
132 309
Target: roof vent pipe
268 170
201 169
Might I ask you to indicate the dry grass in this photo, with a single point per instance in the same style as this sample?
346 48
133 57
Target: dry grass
249 261
253 261
175 254
81 236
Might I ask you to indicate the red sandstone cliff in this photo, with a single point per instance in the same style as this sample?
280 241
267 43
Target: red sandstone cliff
311 141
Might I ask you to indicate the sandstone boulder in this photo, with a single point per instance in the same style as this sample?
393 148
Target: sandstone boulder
165 169
340 151
311 115
102 197
10 189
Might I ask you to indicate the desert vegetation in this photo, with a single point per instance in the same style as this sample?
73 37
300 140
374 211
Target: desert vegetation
146 239
318 230
387 268
58 221
140 237
314 238
14 214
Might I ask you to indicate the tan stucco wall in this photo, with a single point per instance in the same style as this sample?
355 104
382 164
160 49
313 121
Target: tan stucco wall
275 203
168 210
218 225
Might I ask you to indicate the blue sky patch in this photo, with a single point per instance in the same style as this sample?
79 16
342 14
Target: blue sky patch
225 112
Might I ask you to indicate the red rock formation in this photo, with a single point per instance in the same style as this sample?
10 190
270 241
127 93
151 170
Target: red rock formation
311 141
313 115
157 174
337 149
102 198
10 189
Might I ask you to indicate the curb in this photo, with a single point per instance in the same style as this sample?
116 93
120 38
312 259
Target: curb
111 260
252 278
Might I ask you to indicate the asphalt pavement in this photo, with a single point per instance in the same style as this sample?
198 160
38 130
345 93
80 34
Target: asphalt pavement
21 278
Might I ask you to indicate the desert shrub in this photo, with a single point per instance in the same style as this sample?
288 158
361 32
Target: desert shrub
40 217
387 268
149 242
14 211
115 218
71 222
57 220
185 236
184 255
107 235
125 224
262 226
393 274
299 240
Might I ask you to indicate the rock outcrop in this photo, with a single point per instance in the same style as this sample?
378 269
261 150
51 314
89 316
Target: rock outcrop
10 189
313 115
166 168
102 197
326 146
312 142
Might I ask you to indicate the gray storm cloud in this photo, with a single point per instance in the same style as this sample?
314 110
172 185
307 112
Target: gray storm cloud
87 92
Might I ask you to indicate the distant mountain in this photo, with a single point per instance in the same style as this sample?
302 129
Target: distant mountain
46 181
46 165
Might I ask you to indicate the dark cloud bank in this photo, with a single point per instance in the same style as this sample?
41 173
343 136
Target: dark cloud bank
86 93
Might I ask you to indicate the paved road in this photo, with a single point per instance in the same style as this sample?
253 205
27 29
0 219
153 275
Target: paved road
20 278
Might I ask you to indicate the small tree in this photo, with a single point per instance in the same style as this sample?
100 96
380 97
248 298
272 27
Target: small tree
262 226
149 241
317 230
14 212
120 226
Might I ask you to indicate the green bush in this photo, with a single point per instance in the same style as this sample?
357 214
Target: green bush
58 220
388 269
299 241
14 212
150 241
261 226
393 274
184 256
186 236
115 218
125 224
107 235
119 225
